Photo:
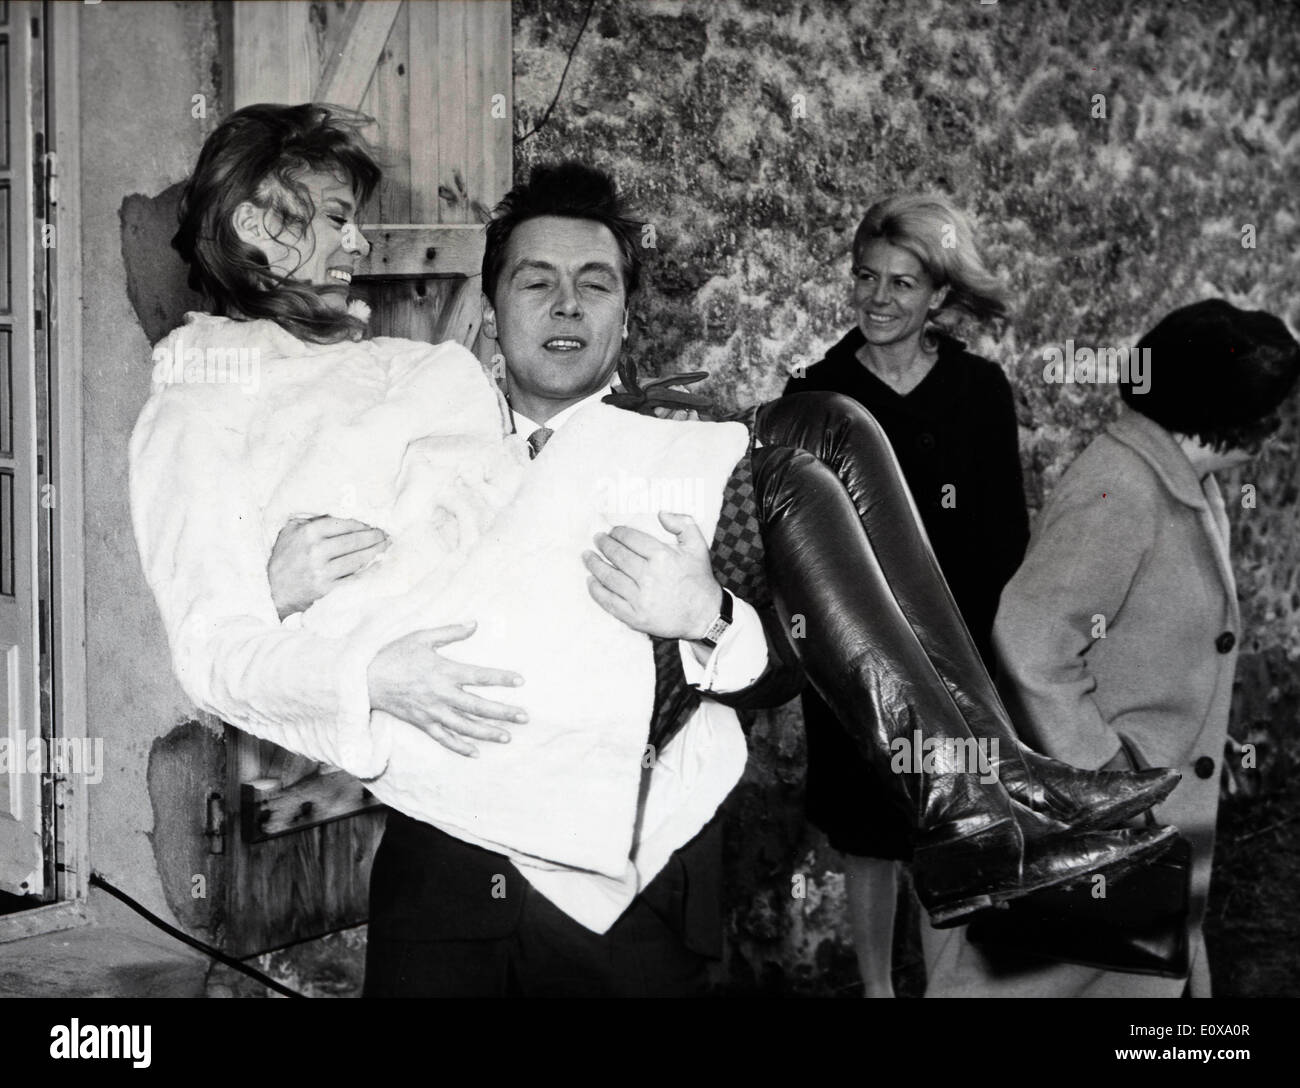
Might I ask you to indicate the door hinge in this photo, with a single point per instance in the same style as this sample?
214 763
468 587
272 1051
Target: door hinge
52 178
215 825
38 175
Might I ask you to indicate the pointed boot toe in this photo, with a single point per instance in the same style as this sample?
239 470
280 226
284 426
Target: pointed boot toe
1086 800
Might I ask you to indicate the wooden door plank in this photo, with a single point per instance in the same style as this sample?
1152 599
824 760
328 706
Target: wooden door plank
423 116
498 77
463 314
301 886
405 250
269 809
452 63
411 308
388 101
329 25
490 159
350 69
274 55
478 104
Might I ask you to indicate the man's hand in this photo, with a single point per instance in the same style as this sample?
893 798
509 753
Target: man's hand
410 680
312 555
665 590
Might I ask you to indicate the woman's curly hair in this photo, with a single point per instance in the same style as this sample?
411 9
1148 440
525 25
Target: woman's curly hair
258 154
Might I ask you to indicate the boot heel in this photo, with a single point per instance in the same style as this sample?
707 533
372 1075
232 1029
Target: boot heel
958 876
959 913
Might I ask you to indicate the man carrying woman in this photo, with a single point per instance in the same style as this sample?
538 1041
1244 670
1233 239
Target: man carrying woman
363 683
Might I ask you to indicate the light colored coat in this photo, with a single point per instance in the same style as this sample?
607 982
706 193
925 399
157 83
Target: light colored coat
1133 539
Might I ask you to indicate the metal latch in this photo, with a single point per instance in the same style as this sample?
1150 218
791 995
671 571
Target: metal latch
215 828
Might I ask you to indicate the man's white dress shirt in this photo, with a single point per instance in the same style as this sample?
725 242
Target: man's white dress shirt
694 772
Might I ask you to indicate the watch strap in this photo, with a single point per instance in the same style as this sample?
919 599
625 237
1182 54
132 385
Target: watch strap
719 626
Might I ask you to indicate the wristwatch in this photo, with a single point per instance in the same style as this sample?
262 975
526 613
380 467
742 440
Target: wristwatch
719 626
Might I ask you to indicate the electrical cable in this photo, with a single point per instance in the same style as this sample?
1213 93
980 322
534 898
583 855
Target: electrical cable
98 881
569 60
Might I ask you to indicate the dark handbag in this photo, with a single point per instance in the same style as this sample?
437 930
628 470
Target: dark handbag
1139 927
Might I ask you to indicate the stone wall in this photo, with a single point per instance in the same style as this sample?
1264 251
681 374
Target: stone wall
754 134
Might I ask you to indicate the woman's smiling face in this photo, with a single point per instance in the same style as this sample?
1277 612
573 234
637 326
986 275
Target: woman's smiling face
892 293
321 252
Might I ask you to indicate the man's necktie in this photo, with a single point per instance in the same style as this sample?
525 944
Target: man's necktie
737 555
537 440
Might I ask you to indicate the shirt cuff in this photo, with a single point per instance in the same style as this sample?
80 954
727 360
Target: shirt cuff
738 660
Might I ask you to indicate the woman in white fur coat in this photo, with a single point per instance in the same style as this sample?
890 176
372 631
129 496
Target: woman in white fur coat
275 409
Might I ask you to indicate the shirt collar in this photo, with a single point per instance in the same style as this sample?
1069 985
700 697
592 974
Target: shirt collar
525 426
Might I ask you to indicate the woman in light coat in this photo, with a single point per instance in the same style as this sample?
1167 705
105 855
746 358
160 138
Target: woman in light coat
1123 621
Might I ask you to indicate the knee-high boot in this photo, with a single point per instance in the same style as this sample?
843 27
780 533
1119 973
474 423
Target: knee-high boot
974 845
845 436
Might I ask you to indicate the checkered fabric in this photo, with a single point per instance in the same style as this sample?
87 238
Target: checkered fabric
737 552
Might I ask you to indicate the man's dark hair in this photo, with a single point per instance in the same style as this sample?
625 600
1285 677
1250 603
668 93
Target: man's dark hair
570 189
1217 373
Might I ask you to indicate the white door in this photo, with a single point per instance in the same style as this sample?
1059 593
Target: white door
23 741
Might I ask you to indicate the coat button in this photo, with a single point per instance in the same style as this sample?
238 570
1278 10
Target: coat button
1204 767
1225 642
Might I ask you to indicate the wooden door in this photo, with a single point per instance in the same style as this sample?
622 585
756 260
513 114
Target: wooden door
436 77
25 730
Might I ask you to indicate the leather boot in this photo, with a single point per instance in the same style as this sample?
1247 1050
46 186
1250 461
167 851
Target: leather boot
846 437
1053 855
974 846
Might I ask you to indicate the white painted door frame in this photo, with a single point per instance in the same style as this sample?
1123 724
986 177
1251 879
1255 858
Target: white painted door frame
62 493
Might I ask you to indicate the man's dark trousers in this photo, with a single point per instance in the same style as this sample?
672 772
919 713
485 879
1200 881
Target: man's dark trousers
453 920
436 929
